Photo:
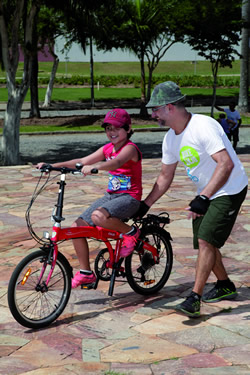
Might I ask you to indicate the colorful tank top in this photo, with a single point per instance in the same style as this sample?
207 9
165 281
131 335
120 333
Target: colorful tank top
128 178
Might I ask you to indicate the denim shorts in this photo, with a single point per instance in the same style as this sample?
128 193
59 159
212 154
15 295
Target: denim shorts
121 206
216 225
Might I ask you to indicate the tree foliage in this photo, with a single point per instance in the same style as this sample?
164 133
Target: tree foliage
214 31
144 27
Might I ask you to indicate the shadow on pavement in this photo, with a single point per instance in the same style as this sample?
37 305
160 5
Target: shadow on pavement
73 150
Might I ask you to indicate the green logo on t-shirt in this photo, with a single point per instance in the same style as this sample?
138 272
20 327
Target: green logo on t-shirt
189 156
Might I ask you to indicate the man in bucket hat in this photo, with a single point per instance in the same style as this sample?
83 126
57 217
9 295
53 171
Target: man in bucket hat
201 145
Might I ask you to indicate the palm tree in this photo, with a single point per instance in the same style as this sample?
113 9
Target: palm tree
142 27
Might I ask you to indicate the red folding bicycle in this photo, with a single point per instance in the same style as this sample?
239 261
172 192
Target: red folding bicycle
40 286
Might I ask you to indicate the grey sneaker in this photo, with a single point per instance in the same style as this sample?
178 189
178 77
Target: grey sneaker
191 306
218 293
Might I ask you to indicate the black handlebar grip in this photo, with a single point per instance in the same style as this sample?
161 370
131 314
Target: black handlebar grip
94 171
45 168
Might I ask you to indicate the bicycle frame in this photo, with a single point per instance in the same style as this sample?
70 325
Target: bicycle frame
40 285
98 233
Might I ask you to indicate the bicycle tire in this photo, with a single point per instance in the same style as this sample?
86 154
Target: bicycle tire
143 275
31 303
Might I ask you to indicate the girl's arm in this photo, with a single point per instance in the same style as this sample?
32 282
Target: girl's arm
90 159
129 152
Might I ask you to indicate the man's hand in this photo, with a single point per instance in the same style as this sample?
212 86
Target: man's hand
143 209
199 204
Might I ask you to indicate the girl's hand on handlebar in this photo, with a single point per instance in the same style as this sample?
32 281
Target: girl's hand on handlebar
39 165
86 169
89 169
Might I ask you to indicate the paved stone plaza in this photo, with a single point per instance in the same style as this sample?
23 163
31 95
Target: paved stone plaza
127 333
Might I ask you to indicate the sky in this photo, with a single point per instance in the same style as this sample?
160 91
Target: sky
178 52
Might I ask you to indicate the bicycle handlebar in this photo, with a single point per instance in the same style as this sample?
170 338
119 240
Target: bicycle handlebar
64 170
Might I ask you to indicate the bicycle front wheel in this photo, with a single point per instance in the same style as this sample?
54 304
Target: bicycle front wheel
33 303
143 274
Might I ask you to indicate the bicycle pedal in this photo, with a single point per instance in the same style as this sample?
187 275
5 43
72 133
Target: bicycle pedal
88 286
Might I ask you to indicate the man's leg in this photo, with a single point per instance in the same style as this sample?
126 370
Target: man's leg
209 259
235 138
224 287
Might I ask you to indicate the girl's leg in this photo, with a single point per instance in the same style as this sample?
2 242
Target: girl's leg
101 217
81 246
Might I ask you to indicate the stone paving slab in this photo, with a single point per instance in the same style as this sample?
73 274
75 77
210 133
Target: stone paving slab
126 333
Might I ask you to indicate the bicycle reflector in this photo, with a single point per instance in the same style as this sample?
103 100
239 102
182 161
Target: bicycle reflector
26 276
148 282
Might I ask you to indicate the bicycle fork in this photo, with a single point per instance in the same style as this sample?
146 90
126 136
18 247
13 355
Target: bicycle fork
50 260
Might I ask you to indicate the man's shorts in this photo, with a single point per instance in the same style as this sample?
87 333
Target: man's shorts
121 206
216 225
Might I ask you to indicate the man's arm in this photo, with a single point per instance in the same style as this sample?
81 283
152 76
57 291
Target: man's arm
219 108
220 176
162 183
221 173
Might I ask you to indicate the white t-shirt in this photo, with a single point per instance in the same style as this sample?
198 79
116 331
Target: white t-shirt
234 116
202 138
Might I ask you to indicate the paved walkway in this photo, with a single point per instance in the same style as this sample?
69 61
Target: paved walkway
76 109
127 333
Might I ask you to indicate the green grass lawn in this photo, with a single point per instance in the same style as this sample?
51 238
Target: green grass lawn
66 128
90 128
131 68
82 94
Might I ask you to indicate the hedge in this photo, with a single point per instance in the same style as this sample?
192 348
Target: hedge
107 81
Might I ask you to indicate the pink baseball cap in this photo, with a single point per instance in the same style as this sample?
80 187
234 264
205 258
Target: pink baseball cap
117 117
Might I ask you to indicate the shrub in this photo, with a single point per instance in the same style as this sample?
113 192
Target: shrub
107 81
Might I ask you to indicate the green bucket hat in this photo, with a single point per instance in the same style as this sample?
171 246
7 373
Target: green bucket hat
165 93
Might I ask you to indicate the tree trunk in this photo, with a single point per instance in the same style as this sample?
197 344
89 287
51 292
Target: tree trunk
47 99
21 24
215 67
10 139
244 62
143 110
34 101
213 99
150 76
91 73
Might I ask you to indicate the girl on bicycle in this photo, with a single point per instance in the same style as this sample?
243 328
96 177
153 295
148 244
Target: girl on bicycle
122 158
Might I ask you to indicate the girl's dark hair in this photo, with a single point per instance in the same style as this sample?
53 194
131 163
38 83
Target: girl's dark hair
126 127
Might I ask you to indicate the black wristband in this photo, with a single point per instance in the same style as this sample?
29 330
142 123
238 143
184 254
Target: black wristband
199 204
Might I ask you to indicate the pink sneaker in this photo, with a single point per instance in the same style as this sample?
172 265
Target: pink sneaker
80 279
129 243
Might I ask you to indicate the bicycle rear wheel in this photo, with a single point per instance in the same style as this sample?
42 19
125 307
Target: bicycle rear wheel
143 274
33 303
